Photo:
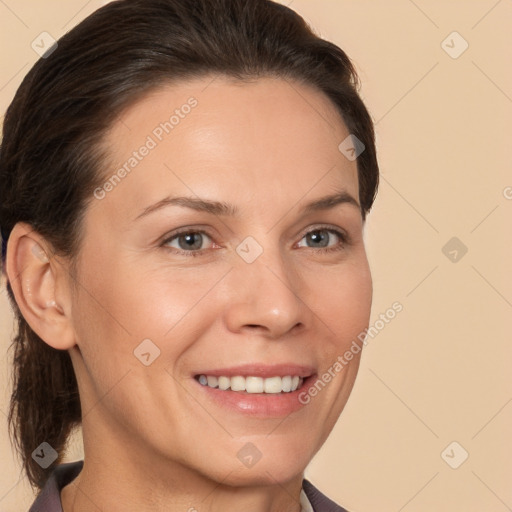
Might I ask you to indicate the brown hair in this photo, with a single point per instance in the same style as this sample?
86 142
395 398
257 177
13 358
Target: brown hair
51 154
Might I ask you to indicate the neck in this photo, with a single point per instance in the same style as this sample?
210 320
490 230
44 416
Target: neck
95 490
116 479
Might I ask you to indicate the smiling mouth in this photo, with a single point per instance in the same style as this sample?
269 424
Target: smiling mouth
252 384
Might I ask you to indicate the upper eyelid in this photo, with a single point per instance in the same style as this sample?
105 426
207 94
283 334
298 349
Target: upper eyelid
327 227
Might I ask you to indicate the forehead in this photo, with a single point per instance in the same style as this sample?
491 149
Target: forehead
227 140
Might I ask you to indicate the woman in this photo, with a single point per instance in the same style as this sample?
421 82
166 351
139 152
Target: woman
185 191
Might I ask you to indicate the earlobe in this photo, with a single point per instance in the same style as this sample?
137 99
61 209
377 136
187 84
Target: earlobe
35 275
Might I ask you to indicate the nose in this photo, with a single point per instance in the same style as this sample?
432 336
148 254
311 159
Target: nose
265 297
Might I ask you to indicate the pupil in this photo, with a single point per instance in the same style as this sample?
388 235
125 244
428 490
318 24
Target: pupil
315 237
190 241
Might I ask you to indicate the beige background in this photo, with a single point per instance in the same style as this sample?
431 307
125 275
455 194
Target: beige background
440 371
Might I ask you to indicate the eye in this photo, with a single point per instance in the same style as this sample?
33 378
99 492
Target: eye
189 242
320 238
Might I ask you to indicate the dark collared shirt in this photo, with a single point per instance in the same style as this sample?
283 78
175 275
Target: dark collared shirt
48 499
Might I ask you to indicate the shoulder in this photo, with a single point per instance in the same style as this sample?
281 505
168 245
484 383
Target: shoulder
48 499
319 501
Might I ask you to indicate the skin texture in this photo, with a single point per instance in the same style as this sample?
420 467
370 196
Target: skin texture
152 439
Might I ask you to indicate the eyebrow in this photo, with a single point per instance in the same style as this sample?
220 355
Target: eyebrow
226 209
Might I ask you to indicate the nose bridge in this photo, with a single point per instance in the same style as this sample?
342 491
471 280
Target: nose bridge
266 288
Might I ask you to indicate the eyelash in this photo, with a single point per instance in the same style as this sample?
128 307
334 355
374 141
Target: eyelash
345 239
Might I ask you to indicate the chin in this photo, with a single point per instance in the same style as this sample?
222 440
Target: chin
268 461
268 473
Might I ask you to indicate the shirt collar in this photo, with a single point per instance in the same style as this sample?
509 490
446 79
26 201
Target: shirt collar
305 503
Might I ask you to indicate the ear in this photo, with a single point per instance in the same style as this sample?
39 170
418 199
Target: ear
40 284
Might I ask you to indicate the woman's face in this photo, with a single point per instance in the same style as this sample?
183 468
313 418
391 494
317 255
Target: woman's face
256 285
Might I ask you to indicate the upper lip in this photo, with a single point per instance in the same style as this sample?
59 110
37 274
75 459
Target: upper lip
261 370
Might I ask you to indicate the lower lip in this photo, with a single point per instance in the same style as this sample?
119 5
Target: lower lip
263 405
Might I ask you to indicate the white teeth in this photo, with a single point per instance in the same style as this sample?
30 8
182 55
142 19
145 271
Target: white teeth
273 385
213 382
254 384
237 384
250 384
287 383
224 383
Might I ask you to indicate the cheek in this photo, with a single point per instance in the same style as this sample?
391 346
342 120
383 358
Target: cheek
125 304
344 298
125 295
167 301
